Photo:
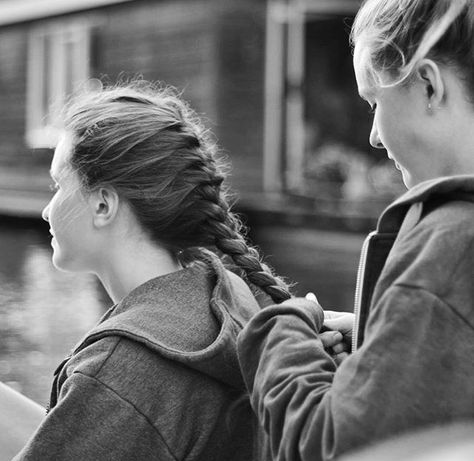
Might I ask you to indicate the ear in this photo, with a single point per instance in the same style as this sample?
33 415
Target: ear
104 203
430 75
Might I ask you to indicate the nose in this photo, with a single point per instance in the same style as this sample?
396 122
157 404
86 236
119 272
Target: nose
374 138
45 212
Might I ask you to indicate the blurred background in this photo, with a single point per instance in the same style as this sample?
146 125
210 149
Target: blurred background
273 80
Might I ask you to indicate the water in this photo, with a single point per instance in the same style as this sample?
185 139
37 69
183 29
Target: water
44 312
323 262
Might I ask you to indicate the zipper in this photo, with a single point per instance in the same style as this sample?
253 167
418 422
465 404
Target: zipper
358 290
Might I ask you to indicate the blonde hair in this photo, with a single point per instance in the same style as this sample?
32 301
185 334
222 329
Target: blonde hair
397 34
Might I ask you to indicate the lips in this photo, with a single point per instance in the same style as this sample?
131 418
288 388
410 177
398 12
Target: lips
397 165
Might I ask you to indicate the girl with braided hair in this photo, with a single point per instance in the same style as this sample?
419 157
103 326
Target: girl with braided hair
140 203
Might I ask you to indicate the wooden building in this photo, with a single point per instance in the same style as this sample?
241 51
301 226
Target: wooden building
272 78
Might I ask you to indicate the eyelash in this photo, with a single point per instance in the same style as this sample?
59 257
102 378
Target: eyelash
372 109
54 187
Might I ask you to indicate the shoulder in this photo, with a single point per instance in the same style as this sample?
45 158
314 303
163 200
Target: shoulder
445 230
114 360
437 255
94 417
145 385
135 374
450 213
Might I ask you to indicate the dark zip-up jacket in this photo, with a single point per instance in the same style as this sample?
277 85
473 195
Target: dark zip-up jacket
413 366
157 378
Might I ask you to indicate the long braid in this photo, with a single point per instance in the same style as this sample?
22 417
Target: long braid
226 229
222 228
152 148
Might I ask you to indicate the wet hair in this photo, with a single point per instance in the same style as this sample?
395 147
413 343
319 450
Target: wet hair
397 34
147 143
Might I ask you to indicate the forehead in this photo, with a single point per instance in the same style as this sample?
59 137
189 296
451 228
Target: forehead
61 156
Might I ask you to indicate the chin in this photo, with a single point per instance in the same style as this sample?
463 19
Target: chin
65 264
408 179
60 265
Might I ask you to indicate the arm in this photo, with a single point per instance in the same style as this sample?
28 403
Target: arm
91 421
19 418
395 382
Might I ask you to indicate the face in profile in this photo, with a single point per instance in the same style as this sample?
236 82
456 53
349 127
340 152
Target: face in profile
399 122
68 213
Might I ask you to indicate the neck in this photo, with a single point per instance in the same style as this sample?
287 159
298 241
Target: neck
129 267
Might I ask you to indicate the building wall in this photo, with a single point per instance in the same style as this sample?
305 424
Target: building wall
210 49
240 102
172 42
13 52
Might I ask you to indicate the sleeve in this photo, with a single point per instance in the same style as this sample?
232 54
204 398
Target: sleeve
395 381
71 430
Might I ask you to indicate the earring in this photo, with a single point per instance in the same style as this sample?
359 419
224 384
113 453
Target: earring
429 106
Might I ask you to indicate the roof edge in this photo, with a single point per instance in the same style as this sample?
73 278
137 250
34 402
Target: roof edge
16 11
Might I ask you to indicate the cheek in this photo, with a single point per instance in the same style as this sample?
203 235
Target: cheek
391 131
62 213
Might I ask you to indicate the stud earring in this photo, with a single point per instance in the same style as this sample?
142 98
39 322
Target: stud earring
429 106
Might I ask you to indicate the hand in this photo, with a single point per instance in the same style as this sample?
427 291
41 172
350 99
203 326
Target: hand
340 321
336 334
334 344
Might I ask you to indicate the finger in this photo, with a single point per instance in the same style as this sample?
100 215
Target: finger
340 348
330 338
343 323
332 314
339 358
311 297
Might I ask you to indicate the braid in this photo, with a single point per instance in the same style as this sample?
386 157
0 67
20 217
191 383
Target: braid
226 230
153 149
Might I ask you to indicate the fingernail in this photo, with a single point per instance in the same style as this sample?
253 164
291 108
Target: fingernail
311 297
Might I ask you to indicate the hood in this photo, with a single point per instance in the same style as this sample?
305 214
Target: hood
440 189
191 316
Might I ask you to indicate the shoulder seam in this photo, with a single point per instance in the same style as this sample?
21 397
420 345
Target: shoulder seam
119 340
132 405
415 287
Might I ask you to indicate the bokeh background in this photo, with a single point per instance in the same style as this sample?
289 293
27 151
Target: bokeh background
272 79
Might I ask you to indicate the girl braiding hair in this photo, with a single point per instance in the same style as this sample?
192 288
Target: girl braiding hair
151 147
411 364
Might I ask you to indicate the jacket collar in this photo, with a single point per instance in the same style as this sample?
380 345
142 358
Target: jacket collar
445 188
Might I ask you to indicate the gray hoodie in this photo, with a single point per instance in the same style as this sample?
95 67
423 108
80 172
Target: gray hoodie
157 378
414 364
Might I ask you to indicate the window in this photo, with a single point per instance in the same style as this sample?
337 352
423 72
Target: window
58 62
317 127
